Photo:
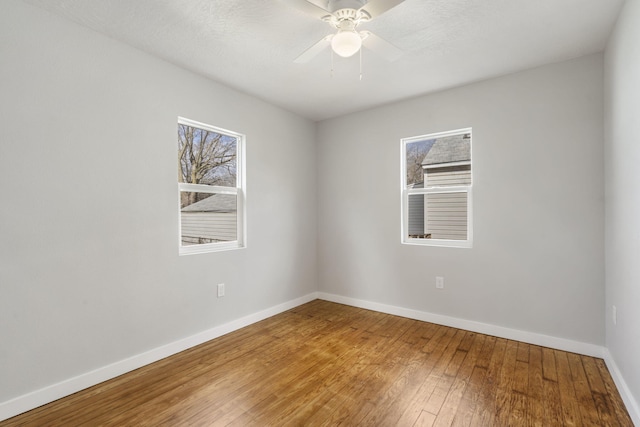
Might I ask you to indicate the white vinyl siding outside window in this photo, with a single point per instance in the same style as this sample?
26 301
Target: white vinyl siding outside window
211 195
437 189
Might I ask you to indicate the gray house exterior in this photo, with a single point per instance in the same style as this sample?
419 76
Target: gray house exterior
442 215
210 220
416 213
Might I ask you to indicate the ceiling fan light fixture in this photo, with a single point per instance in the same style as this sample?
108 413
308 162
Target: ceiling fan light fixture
346 43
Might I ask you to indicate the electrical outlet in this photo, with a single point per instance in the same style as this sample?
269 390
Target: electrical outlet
614 315
439 282
220 290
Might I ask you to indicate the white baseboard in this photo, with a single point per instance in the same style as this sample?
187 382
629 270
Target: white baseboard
632 405
469 325
56 391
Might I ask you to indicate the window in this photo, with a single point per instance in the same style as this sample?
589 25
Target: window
436 189
210 187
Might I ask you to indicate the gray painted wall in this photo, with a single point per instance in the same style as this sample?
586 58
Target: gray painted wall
89 265
622 158
537 263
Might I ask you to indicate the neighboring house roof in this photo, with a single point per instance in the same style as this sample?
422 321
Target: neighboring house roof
215 203
450 149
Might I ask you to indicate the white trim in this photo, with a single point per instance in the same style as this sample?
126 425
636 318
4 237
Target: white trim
26 402
204 126
439 190
205 188
633 408
444 243
406 192
470 325
239 190
437 135
209 247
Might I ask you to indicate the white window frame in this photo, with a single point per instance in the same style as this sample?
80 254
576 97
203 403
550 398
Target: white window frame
239 190
406 192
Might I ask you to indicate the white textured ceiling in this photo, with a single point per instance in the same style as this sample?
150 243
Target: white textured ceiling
250 45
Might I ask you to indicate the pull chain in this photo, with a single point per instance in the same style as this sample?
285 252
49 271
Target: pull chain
360 56
331 62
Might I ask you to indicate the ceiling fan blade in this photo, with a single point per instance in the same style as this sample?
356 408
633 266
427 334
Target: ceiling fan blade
380 46
308 8
314 50
378 7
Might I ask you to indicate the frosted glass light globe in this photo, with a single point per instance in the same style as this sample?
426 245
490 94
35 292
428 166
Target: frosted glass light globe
346 43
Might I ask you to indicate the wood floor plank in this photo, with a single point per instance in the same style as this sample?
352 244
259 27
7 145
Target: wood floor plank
535 390
424 362
301 392
444 383
452 402
208 392
549 365
425 419
369 344
505 385
621 413
472 392
444 357
570 407
353 336
551 402
407 362
588 410
329 364
519 403
484 414
387 365
484 358
605 407
464 412
523 352
409 408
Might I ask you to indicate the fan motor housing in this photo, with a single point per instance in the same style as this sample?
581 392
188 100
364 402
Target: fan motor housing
334 6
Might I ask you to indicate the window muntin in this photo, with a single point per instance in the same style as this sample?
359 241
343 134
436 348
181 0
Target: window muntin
210 187
436 189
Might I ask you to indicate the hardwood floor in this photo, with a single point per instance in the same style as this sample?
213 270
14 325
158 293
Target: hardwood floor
328 364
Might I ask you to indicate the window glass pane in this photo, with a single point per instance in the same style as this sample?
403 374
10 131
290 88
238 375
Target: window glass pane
448 176
416 217
206 157
439 162
438 216
445 215
208 218
415 153
437 189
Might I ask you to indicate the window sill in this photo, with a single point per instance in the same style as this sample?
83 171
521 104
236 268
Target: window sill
439 243
211 247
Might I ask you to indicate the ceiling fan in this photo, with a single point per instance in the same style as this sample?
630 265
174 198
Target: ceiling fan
345 16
